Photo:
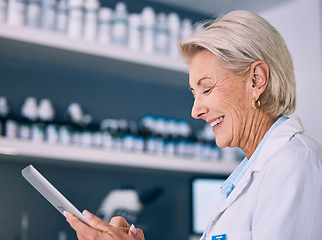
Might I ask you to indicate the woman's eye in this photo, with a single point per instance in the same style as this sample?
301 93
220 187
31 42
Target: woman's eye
209 90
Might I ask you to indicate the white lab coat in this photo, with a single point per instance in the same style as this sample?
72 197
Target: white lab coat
280 196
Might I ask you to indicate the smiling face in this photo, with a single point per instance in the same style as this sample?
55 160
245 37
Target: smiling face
221 98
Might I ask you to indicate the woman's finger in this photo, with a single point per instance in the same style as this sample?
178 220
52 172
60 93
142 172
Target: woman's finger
132 231
119 222
101 225
95 222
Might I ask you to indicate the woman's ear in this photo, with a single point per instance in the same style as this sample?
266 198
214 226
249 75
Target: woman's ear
259 73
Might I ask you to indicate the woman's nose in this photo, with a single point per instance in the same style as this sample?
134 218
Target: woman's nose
197 111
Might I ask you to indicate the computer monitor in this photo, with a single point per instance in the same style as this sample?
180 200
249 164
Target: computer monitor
205 196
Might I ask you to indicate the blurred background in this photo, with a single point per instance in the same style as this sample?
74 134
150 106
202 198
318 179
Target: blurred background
95 96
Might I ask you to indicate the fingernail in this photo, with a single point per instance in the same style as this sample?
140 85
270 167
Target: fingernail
87 214
133 229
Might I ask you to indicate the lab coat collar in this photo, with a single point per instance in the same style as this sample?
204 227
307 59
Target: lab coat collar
277 139
280 136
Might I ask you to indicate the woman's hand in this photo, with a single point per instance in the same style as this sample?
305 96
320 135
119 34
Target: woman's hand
117 229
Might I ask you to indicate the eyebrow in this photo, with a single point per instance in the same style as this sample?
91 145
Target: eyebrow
200 81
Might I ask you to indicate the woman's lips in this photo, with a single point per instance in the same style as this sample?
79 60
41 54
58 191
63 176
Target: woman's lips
216 121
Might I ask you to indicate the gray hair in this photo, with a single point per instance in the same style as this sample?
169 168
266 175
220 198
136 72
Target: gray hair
240 38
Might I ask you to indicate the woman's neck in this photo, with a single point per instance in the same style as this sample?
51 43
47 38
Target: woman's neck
255 130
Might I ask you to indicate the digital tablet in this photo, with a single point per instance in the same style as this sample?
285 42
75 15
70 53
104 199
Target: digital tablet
45 188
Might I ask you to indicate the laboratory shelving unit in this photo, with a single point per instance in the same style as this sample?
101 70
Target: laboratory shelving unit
17 42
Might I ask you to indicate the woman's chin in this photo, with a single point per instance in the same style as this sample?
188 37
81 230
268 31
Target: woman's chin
220 144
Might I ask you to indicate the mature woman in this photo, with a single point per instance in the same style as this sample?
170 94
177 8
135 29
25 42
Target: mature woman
241 76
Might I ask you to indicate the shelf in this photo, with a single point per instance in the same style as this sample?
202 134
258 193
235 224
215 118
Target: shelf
25 43
23 47
73 154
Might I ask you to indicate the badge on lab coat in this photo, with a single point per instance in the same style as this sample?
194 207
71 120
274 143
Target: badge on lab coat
219 237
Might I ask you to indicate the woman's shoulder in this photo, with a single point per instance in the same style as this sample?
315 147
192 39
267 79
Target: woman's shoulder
303 146
296 163
301 153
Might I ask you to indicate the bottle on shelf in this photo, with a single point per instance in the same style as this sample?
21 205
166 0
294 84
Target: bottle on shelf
120 25
171 137
147 131
61 16
48 15
160 135
33 13
65 134
96 134
131 139
75 117
134 40
16 12
29 115
148 27
186 29
138 144
104 25
118 138
161 35
184 133
150 145
109 130
4 112
75 18
48 130
9 128
44 129
3 11
85 134
70 129
90 19
174 28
